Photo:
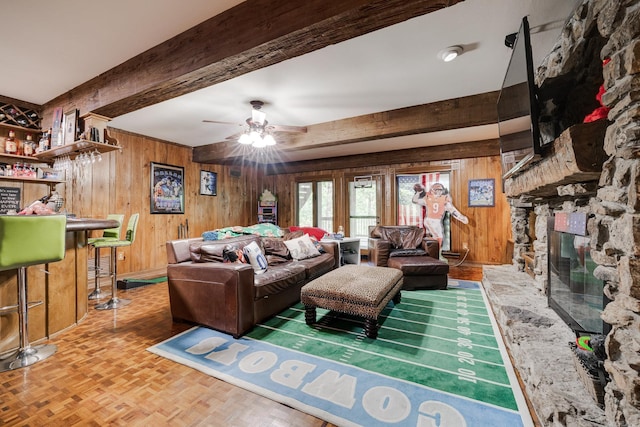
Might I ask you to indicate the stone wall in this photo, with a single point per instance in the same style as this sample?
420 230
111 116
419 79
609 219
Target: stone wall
613 204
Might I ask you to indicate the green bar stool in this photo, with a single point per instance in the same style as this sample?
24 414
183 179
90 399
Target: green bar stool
111 235
130 236
25 241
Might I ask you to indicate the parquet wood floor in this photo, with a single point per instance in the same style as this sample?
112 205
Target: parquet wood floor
103 375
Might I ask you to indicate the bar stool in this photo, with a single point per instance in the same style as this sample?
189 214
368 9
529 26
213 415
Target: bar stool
25 241
130 236
109 234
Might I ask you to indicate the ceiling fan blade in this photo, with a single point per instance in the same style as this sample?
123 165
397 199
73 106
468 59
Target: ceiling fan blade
223 123
285 128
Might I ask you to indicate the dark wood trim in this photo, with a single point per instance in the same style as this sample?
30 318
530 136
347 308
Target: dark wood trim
465 150
233 43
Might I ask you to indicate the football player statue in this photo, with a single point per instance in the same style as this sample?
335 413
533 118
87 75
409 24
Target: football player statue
437 201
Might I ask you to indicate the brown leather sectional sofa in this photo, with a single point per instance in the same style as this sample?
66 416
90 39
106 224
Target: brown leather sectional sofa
229 297
407 249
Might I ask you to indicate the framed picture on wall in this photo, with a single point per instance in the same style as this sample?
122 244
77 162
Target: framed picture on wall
482 192
167 189
208 183
70 127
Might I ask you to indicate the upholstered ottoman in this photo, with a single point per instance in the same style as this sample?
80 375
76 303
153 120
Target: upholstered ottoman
421 272
353 289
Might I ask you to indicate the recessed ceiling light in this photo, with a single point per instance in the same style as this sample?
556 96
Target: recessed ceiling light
450 53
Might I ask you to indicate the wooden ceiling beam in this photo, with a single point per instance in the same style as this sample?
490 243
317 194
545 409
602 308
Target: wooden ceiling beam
233 43
469 111
463 150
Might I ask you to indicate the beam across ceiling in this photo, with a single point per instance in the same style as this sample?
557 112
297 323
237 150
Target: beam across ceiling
463 150
247 37
469 111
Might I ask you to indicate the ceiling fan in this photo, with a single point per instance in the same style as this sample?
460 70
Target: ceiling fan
259 132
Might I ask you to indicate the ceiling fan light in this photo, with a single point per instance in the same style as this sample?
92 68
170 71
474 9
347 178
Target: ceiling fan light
255 136
245 139
269 140
259 143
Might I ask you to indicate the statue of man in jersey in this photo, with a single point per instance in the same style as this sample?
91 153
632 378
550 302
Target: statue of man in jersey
437 201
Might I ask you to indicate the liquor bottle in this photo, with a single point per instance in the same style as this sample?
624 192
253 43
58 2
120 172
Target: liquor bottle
10 145
27 146
44 143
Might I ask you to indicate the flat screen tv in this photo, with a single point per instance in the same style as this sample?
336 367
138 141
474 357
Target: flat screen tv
518 109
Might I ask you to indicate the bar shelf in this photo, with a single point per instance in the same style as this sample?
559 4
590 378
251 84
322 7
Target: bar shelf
73 150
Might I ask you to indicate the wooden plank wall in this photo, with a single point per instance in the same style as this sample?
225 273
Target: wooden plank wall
121 184
486 234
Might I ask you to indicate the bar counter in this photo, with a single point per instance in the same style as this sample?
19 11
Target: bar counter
63 292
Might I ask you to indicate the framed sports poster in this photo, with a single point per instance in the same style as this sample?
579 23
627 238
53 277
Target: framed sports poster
208 183
167 189
482 192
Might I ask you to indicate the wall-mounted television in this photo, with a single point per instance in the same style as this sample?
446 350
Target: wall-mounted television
518 109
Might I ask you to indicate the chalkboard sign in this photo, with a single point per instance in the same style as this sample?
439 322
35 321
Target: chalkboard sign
9 199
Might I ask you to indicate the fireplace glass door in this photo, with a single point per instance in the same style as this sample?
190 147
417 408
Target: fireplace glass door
574 292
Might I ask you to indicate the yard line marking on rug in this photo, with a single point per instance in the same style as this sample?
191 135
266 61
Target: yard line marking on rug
396 359
428 350
413 363
385 315
382 326
360 323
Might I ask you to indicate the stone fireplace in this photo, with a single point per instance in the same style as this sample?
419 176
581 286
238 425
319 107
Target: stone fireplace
593 170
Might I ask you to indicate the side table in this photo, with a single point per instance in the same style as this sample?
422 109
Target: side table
349 249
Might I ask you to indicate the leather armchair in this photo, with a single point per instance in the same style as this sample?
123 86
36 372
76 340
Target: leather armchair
407 249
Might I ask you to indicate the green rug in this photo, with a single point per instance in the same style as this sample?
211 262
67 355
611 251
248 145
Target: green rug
437 361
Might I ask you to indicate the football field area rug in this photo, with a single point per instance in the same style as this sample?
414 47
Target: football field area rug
438 361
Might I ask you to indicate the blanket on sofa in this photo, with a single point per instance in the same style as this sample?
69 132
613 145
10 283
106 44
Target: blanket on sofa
263 230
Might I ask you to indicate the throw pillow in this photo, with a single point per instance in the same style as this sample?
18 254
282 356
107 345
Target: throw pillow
232 253
316 232
275 246
290 235
210 235
317 244
256 258
301 248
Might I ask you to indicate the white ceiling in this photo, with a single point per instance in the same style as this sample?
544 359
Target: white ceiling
55 46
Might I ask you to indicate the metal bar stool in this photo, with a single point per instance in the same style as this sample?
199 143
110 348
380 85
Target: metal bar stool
25 241
109 234
130 236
